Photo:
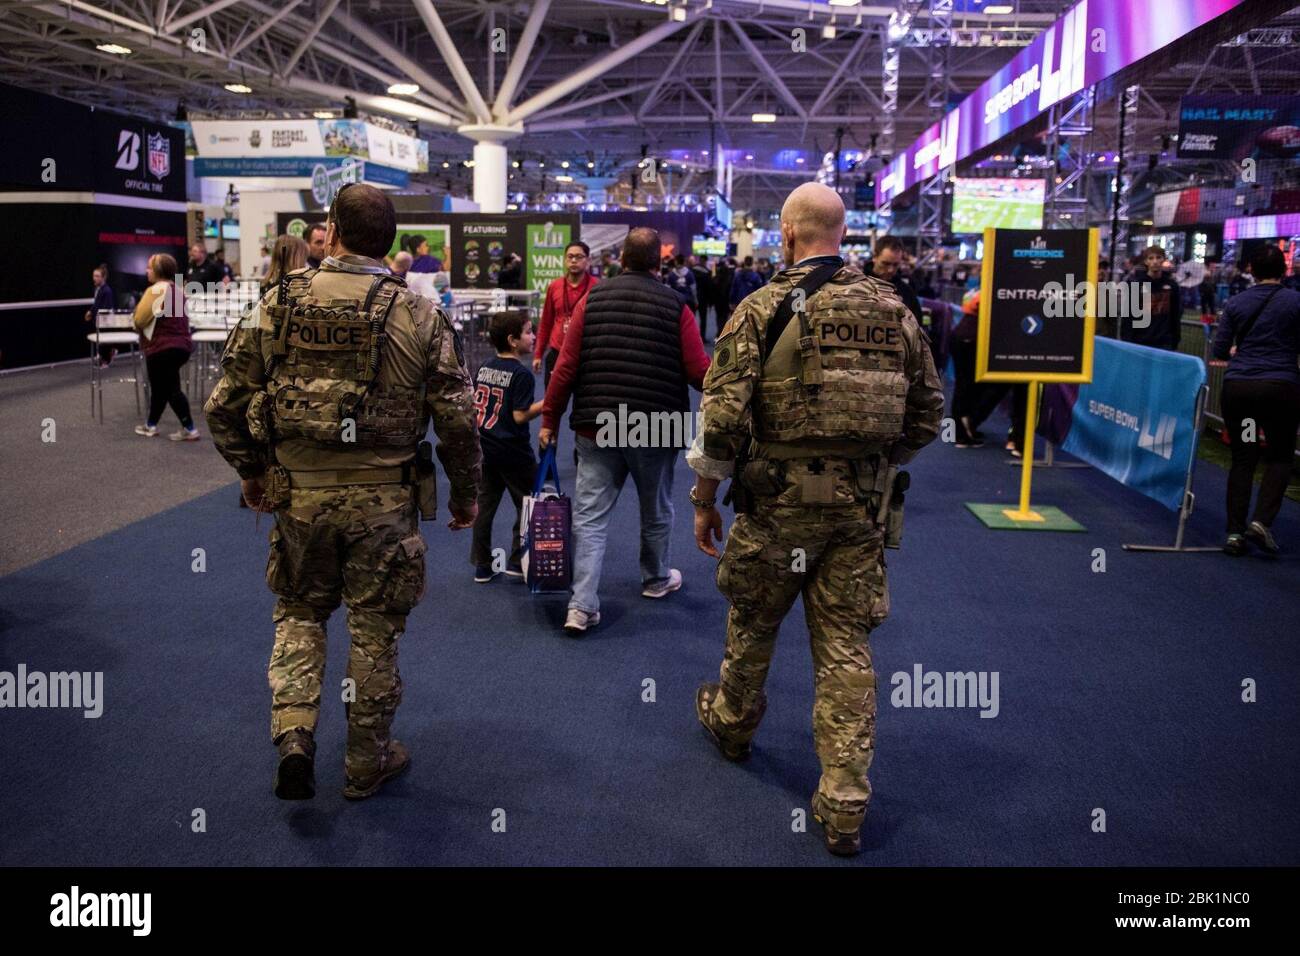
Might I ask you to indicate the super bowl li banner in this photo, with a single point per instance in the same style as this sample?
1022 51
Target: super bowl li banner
1136 419
1093 40
1037 305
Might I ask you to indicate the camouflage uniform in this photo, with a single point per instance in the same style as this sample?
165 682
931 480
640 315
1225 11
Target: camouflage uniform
824 413
346 526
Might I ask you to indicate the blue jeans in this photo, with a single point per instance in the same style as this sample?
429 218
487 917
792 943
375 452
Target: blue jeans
601 473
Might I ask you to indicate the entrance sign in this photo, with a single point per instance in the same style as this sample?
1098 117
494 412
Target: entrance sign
1024 337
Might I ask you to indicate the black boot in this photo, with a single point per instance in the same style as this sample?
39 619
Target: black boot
295 778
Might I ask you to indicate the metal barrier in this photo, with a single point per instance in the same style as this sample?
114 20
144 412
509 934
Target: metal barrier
1198 339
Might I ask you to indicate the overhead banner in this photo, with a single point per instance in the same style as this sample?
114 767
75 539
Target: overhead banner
1229 126
1136 419
305 140
1037 305
1093 40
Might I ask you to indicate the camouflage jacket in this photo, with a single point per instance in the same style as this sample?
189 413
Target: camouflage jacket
740 368
422 352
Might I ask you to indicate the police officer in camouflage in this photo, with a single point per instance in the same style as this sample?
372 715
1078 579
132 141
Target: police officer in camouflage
821 384
327 390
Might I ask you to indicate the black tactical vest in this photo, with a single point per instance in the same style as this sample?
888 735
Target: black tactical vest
631 351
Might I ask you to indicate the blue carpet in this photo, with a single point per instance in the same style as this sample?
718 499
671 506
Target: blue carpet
1118 690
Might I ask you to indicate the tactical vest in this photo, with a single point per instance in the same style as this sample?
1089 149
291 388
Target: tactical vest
322 369
836 373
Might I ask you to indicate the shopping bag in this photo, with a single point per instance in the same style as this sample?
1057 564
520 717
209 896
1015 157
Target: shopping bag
544 528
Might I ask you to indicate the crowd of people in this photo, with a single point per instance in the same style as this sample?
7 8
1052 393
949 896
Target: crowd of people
1262 384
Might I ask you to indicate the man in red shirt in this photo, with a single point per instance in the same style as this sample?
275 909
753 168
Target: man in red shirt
631 352
562 297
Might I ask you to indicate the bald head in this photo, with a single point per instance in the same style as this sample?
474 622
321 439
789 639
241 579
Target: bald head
812 222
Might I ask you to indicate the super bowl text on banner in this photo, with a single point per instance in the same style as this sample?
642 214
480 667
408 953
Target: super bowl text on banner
1136 419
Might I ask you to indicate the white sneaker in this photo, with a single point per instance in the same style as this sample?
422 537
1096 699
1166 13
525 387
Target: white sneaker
183 434
577 620
148 431
664 588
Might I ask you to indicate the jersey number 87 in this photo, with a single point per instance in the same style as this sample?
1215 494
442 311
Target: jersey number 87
483 397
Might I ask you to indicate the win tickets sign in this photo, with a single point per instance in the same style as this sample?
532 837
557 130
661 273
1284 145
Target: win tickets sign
545 262
1037 305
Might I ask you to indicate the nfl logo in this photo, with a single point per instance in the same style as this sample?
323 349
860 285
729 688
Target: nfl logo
160 156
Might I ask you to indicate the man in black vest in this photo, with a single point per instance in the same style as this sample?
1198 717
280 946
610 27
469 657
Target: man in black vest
630 350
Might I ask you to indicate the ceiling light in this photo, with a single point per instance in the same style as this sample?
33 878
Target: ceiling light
446 165
515 163
404 89
763 118
564 179
999 9
238 88
828 31
679 14
113 48
749 156
899 26
591 165
323 114
799 159
845 3
565 164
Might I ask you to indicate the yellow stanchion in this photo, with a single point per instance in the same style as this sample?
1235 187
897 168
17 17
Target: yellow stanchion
1024 512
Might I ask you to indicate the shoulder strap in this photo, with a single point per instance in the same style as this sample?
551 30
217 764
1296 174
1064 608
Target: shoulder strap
1250 322
785 311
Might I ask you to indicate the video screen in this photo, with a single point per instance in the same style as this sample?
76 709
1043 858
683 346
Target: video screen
701 246
978 204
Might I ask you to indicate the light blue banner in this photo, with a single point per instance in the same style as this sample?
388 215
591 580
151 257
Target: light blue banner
294 166
1136 419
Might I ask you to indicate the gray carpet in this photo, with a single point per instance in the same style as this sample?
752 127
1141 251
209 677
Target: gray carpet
93 478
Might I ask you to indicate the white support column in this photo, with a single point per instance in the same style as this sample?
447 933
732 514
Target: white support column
491 168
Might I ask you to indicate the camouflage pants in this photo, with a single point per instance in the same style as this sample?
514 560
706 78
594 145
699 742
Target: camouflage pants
360 544
833 555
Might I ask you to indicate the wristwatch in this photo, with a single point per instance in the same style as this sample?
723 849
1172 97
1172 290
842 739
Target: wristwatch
701 503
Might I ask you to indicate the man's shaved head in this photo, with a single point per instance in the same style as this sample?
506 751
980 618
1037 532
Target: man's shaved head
815 213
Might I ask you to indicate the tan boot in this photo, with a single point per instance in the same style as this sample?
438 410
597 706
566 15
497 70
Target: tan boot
839 842
394 761
731 748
